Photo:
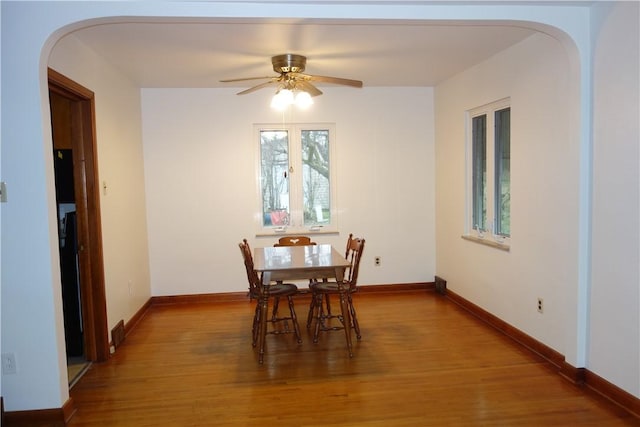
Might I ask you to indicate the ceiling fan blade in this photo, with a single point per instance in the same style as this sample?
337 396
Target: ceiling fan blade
334 80
254 88
308 87
247 78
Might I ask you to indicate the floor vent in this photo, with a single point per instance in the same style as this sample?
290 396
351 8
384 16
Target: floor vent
441 286
117 334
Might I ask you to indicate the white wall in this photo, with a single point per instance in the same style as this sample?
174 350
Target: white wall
120 167
542 261
614 346
201 182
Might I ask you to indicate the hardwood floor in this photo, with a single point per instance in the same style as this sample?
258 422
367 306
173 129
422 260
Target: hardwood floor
422 361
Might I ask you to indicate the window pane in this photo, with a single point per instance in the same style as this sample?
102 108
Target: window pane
503 168
315 177
479 172
274 177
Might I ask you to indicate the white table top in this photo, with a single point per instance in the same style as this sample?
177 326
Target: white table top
302 260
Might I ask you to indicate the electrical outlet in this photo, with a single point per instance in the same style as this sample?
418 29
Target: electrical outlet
540 305
9 364
376 261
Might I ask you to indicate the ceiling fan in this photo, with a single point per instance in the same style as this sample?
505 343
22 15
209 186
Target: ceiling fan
290 68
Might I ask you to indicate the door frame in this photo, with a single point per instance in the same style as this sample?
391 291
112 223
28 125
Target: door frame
87 198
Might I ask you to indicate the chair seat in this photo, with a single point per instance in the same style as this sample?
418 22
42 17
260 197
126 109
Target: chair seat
329 287
279 290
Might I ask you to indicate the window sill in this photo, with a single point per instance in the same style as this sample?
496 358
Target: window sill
487 242
296 232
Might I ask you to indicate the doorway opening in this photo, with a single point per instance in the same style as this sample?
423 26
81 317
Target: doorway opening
80 237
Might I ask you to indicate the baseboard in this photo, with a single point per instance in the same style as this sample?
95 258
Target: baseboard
573 374
397 287
578 376
57 417
610 391
137 317
199 298
243 296
532 344
68 409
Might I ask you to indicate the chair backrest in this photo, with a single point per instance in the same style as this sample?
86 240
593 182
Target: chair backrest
294 241
255 284
353 254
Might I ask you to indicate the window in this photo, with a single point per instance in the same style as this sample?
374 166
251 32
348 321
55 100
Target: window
296 183
490 162
502 168
479 172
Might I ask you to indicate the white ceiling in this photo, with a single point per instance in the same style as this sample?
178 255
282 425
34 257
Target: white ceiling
389 53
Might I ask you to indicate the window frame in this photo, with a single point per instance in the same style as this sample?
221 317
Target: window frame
296 191
491 173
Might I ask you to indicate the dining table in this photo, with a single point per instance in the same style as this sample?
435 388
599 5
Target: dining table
289 263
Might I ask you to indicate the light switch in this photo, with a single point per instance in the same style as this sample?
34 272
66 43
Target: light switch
3 192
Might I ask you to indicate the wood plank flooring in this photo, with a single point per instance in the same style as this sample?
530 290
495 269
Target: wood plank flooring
422 361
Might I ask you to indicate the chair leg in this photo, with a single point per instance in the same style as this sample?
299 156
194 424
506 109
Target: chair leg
312 308
262 329
274 314
346 319
294 320
255 330
318 308
354 318
326 299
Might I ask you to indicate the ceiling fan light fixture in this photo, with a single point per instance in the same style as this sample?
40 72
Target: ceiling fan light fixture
290 68
303 100
286 97
282 99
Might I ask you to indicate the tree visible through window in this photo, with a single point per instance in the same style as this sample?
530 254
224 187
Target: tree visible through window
296 184
479 174
316 176
503 168
274 166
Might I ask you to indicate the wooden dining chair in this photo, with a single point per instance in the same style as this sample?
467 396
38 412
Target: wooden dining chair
275 291
349 256
294 241
355 247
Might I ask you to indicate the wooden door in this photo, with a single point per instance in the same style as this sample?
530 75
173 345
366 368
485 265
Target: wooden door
73 121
